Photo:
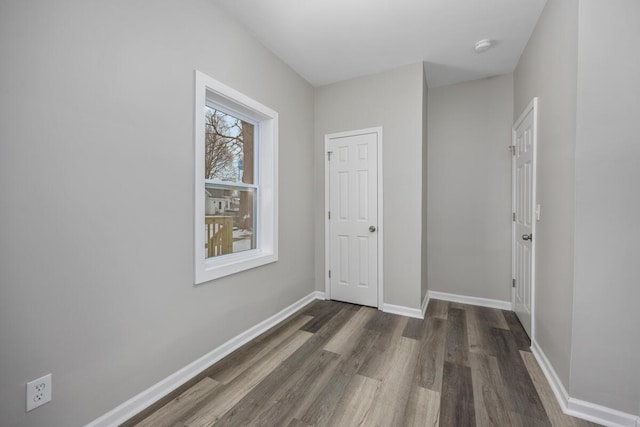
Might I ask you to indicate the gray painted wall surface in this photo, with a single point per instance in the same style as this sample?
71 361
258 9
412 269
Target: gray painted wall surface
424 288
605 364
96 178
469 180
547 69
392 100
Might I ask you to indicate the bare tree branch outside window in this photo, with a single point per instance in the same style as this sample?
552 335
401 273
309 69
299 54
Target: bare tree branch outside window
223 145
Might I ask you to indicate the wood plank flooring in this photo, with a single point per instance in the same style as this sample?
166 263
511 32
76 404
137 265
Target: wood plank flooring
337 364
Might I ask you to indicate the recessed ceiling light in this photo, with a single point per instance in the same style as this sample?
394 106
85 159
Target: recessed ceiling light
483 45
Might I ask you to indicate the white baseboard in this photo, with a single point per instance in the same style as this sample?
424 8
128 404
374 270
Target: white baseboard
484 302
556 385
600 414
402 310
580 408
425 303
156 392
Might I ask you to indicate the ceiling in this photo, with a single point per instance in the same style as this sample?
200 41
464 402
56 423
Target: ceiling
327 41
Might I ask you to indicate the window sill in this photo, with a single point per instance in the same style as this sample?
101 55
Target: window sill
226 265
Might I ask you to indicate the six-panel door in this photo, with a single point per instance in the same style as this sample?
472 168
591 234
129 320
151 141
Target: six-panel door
353 223
524 223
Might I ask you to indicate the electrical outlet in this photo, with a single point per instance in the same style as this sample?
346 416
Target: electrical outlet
38 392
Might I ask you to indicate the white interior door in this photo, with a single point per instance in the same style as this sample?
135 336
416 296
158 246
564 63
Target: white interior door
352 217
524 207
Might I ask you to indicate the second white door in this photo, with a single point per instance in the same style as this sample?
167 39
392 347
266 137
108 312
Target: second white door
524 221
353 216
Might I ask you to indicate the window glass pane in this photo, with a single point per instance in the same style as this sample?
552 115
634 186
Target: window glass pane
230 219
229 147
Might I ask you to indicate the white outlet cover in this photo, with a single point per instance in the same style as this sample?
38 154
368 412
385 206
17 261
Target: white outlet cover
38 392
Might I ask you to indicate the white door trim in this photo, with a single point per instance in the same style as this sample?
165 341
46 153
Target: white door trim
380 232
533 106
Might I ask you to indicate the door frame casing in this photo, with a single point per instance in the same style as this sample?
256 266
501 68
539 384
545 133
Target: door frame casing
327 222
532 107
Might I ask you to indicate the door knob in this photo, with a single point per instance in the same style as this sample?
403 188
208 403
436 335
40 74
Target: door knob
372 228
527 237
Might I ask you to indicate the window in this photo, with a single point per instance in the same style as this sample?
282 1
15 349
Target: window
236 181
230 189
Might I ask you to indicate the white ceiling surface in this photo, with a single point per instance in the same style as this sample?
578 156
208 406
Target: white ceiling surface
327 41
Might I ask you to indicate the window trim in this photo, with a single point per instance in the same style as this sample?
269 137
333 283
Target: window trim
207 91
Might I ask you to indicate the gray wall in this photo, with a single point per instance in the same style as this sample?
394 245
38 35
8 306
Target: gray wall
96 178
393 100
605 364
547 69
583 64
424 288
469 180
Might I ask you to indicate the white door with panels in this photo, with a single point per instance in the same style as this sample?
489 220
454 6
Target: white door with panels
524 217
352 216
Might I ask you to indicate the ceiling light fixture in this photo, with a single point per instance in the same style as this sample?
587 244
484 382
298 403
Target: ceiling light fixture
483 45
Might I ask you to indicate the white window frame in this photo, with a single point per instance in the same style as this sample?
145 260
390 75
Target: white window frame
208 92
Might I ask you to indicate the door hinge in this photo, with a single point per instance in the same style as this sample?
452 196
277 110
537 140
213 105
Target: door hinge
512 148
329 274
329 155
513 283
328 214
513 215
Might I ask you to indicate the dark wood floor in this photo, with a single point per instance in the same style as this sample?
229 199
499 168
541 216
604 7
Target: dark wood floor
337 364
